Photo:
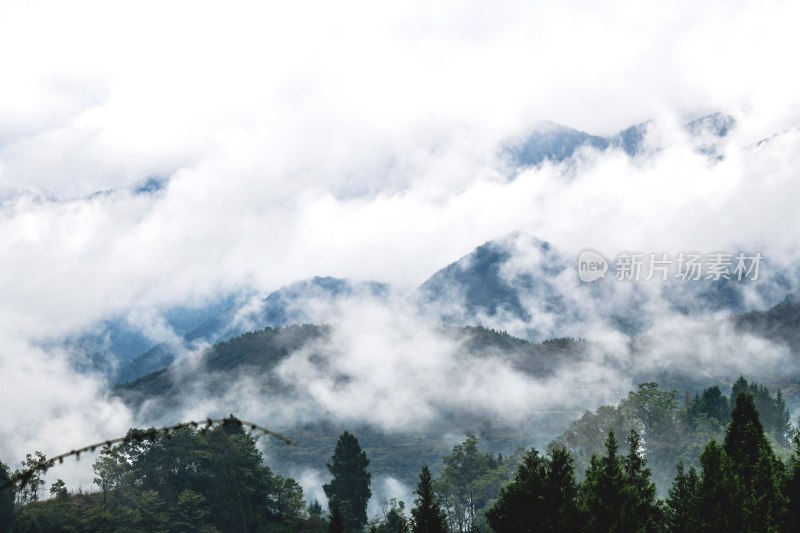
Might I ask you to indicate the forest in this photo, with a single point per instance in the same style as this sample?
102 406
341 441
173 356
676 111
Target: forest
597 476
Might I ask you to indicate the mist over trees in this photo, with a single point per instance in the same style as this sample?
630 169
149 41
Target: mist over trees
730 471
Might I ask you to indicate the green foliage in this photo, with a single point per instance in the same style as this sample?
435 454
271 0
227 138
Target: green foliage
394 519
287 498
191 513
110 470
349 490
6 500
58 490
336 524
211 480
673 432
215 481
654 414
719 495
600 495
542 496
681 511
772 412
711 404
427 515
521 504
314 522
759 472
468 483
640 511
30 491
791 488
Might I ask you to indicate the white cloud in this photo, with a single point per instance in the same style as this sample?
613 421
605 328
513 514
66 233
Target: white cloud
357 140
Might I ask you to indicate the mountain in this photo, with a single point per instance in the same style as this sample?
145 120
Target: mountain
531 288
780 323
510 280
307 301
556 143
553 142
310 300
259 353
248 367
110 345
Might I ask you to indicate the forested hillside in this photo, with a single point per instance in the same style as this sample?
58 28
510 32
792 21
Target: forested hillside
733 476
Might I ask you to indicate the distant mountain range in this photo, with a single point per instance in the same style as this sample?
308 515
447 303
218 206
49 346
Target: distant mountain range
258 356
530 288
517 283
556 143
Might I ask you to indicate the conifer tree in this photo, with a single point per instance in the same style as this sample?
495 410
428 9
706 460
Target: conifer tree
682 501
336 525
520 507
639 509
560 493
791 488
542 496
719 494
601 491
758 470
349 490
427 516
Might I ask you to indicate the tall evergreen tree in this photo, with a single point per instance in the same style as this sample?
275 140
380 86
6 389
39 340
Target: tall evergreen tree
713 404
560 493
682 501
719 495
349 490
772 412
601 492
791 488
336 525
758 470
427 515
542 496
520 508
639 511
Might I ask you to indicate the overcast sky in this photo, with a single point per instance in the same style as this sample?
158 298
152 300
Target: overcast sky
361 140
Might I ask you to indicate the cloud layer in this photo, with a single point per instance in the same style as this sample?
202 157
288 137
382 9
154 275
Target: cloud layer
359 141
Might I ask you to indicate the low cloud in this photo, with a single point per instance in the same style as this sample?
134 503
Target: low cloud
366 144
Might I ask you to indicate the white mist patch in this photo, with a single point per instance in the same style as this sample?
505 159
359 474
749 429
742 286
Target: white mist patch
49 408
384 490
312 481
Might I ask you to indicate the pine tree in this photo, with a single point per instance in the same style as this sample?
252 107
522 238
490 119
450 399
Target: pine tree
753 461
349 490
682 501
791 488
560 493
427 515
719 495
520 507
639 509
336 525
601 492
